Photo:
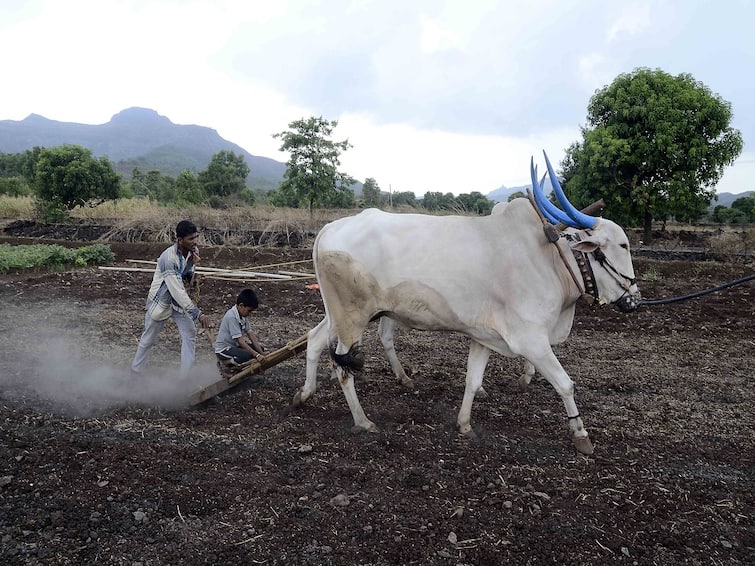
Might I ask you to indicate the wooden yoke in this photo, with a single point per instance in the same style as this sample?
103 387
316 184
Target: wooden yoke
591 209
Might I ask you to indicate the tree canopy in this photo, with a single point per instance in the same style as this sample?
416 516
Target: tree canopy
312 175
371 193
225 175
68 176
654 146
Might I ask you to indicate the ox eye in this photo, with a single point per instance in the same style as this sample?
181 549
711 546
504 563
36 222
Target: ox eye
625 246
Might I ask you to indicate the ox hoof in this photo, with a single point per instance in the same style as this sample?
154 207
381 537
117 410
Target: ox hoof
470 434
359 429
408 383
524 380
297 400
481 394
583 445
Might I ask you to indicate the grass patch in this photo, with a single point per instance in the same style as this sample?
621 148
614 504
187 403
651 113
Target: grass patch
16 207
52 256
651 274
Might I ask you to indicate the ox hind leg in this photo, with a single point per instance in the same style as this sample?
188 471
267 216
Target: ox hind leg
317 340
346 380
544 360
386 330
348 358
476 363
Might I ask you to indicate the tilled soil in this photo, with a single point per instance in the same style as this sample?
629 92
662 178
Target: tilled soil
99 468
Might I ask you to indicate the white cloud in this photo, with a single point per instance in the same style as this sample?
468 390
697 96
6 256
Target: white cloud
434 37
740 177
448 95
634 19
597 69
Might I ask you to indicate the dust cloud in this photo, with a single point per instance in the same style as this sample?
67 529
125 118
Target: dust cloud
54 356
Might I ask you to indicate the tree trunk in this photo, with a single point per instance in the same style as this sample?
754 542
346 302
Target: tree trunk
647 236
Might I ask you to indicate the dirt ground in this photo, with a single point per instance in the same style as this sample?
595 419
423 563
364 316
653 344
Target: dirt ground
97 468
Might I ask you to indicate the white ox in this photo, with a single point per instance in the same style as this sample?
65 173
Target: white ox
496 279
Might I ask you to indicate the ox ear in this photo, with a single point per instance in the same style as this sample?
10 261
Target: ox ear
587 245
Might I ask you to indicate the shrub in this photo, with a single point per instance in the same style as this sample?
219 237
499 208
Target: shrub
40 255
50 212
732 246
96 254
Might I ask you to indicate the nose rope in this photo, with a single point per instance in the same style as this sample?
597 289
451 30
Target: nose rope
612 271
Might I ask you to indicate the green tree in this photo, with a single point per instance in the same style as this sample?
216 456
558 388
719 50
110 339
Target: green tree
153 185
12 180
188 189
281 198
746 205
68 176
655 146
516 194
407 198
29 163
474 202
225 175
312 175
11 165
13 186
435 200
371 193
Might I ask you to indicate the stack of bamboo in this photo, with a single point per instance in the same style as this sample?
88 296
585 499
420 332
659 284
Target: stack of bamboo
228 274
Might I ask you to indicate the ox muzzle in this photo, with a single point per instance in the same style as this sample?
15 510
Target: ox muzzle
628 302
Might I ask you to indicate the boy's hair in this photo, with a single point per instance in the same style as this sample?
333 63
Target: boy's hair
185 228
248 298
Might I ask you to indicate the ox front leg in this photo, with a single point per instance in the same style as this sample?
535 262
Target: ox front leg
478 359
317 340
361 422
386 331
550 368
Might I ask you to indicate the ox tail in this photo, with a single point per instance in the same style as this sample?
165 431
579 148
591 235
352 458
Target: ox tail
352 360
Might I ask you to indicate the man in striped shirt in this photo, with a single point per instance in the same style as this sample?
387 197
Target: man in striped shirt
167 298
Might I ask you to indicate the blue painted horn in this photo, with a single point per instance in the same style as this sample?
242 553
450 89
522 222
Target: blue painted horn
552 213
580 219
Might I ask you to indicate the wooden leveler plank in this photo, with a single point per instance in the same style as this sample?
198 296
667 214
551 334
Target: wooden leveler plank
250 368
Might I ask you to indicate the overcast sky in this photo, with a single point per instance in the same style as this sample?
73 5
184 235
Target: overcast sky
434 95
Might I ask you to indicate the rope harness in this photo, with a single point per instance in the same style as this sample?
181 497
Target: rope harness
589 288
585 267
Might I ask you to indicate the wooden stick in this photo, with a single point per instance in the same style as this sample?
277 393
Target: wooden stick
297 274
139 269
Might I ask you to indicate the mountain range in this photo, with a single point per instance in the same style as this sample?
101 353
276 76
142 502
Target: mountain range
142 138
503 193
139 137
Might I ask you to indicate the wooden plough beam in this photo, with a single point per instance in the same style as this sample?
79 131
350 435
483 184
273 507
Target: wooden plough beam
249 369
